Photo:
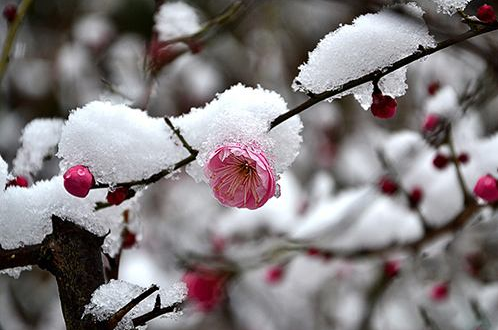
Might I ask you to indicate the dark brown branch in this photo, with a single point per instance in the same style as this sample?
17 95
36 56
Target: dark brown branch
113 321
376 75
467 198
156 312
20 257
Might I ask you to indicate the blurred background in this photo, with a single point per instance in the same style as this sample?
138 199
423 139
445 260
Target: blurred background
71 52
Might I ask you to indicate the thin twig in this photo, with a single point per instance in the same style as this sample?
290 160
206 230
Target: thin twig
377 74
177 132
221 19
11 36
454 159
156 312
113 321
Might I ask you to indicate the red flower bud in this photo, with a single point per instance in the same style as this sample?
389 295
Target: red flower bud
440 292
274 274
18 181
78 180
416 196
431 122
486 14
387 185
487 188
10 12
440 161
118 195
383 106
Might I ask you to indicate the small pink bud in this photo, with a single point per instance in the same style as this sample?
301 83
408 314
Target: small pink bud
487 188
433 87
118 195
463 158
486 14
313 252
10 12
416 196
387 185
240 176
440 161
129 239
205 288
383 106
274 274
18 181
440 292
78 180
431 122
391 268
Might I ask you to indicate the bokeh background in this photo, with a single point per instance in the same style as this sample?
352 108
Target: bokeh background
71 52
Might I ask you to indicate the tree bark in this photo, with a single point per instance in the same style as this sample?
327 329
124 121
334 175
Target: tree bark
73 256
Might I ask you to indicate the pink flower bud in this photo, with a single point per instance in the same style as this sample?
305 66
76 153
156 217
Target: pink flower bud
78 180
487 188
240 176
205 288
274 274
387 185
117 196
431 122
486 14
129 239
415 196
440 292
391 268
383 106
10 12
463 158
18 181
440 161
433 87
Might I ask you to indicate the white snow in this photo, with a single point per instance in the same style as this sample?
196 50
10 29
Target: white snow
242 114
372 42
39 140
110 297
176 19
450 7
117 143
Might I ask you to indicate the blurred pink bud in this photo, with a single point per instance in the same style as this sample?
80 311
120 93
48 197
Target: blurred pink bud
387 185
440 161
440 292
415 196
78 180
240 176
391 268
431 122
274 274
10 12
205 288
487 188
486 14
118 195
433 87
18 181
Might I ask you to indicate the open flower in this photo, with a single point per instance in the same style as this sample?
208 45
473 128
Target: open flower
240 176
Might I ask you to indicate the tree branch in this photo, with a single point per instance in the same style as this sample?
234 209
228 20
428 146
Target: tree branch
376 75
177 132
467 198
11 35
20 257
113 321
156 312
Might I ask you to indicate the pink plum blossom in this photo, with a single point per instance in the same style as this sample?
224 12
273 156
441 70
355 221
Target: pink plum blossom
240 176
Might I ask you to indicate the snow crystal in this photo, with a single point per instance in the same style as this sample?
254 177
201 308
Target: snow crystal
242 114
15 272
176 19
117 143
372 42
39 140
3 173
110 297
450 7
25 213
